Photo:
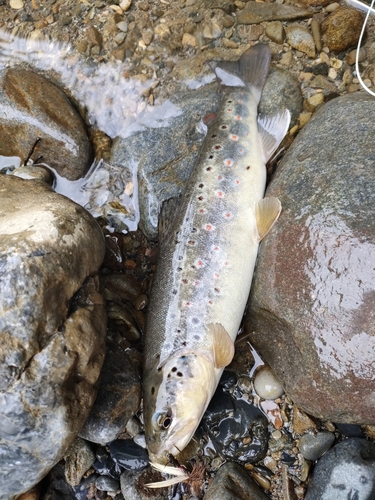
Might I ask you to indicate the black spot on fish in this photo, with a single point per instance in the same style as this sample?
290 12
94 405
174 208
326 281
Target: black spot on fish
194 230
229 102
201 185
217 146
174 369
159 369
179 374
195 321
200 198
179 269
174 292
185 281
224 127
248 167
184 344
180 257
213 136
152 390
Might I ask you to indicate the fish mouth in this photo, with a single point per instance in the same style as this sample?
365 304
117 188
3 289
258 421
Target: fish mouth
176 440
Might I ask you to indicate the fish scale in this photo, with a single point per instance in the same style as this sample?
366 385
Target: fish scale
206 264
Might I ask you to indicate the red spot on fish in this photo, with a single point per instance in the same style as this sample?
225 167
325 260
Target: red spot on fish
200 263
209 118
219 194
220 177
240 101
238 117
237 181
209 227
217 146
216 275
197 283
191 242
240 150
228 162
210 302
185 281
216 249
234 137
230 110
187 304
228 215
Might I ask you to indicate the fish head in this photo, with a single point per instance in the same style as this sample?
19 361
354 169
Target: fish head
176 395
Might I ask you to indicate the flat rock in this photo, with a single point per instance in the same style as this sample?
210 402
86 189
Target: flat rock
346 471
300 38
311 312
32 107
118 399
52 327
255 13
232 482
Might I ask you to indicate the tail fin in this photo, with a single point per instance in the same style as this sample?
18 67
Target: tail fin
250 70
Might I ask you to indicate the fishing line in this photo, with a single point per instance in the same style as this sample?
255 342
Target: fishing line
369 10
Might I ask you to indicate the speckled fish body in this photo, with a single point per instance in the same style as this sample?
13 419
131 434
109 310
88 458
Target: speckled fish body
206 266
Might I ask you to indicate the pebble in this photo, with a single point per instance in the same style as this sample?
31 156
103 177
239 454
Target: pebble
78 460
275 32
301 421
106 483
351 56
128 455
255 13
313 446
16 4
299 37
313 102
341 29
267 385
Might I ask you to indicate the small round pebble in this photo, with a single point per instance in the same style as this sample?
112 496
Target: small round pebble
106 483
313 446
266 384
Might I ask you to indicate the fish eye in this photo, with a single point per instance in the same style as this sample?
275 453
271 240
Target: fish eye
162 420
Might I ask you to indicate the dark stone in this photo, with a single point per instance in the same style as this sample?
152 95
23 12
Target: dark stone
232 482
311 315
52 327
346 471
32 107
129 455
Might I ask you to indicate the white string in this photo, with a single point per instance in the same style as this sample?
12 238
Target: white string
369 9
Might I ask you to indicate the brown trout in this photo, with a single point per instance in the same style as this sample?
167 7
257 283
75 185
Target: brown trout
207 259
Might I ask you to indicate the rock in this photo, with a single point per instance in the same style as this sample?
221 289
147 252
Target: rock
313 446
32 107
281 90
311 306
275 32
301 421
232 482
300 38
128 455
52 327
106 483
78 460
266 384
342 28
255 13
346 471
132 485
118 399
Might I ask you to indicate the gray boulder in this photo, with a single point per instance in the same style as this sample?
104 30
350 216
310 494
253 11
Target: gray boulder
311 310
52 327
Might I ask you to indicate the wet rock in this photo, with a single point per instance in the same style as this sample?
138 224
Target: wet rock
118 399
105 483
342 28
351 430
313 446
128 454
281 90
237 428
78 460
345 471
52 329
32 107
310 311
300 38
232 482
56 487
133 485
255 13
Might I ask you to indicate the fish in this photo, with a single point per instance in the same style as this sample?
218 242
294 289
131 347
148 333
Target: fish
208 245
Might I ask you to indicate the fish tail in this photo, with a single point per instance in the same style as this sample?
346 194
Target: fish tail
251 70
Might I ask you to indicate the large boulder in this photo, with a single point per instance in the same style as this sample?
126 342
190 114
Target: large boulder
311 311
52 327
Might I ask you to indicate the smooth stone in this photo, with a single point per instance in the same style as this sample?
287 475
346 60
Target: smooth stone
78 460
346 471
232 482
310 313
118 399
300 38
313 446
255 13
342 28
52 327
267 385
281 90
128 454
32 107
106 483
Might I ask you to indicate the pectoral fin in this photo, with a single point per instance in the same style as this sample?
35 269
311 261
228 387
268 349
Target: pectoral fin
223 345
267 212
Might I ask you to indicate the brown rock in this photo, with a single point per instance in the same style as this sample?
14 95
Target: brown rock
342 28
301 421
94 36
255 13
32 107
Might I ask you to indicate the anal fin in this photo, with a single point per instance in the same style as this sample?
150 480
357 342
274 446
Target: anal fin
223 345
267 212
272 130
